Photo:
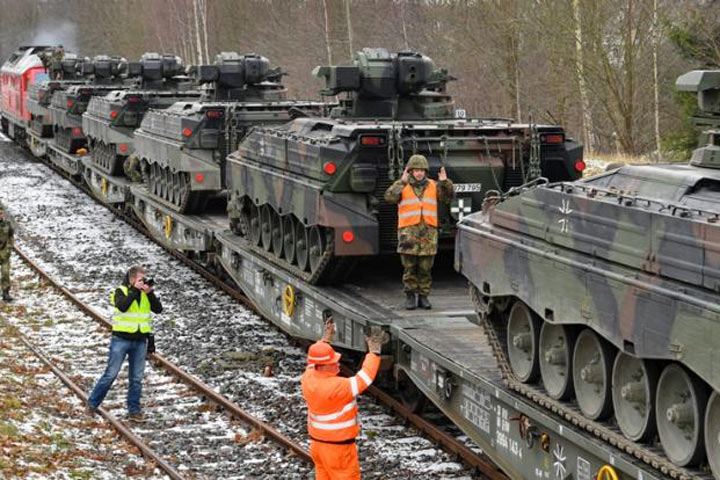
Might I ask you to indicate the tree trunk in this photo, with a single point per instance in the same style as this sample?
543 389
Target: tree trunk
198 40
404 26
629 111
328 47
588 133
656 85
348 21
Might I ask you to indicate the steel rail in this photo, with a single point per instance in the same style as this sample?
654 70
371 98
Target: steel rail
196 384
144 448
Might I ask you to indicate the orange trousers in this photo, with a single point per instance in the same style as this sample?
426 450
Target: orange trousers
335 462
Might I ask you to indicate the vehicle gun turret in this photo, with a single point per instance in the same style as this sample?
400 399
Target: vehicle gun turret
380 84
242 78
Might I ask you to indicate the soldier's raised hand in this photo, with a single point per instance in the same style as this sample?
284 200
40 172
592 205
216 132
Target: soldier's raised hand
442 175
404 177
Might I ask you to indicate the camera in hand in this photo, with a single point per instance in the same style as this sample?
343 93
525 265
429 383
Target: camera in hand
150 282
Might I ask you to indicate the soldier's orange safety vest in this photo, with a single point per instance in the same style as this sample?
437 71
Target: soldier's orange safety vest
332 408
411 208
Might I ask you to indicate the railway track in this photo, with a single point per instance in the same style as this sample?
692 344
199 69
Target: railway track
192 431
435 432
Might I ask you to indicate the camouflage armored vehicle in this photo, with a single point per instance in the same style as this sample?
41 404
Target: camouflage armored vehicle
67 72
309 195
110 120
68 105
604 291
182 149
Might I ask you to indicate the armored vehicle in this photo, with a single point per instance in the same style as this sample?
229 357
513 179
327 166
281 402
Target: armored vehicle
182 149
309 195
65 73
68 105
604 290
110 120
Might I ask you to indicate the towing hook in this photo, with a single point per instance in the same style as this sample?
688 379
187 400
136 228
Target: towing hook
531 434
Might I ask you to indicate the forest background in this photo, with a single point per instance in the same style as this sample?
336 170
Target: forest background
605 69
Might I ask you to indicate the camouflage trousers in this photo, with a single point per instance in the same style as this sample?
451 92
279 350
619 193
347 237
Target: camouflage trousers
4 272
131 166
417 276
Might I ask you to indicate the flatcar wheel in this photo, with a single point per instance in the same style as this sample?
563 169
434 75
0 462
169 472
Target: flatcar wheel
523 333
289 239
592 369
412 397
255 229
276 232
712 433
556 347
266 214
633 390
680 403
317 247
302 245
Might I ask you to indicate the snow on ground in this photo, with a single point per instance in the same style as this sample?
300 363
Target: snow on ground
202 329
44 432
198 440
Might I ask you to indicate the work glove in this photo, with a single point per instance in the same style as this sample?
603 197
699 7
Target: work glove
151 344
376 339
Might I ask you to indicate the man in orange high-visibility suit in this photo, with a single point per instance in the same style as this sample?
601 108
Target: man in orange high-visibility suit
332 408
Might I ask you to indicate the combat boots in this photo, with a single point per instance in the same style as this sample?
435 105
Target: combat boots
411 301
423 302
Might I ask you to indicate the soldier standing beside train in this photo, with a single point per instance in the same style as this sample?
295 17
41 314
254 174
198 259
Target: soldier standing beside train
418 197
7 234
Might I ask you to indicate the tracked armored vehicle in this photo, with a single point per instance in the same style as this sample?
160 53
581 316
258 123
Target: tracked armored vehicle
68 105
110 120
309 195
183 148
60 76
604 291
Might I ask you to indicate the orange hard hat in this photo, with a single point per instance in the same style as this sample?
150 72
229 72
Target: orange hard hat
322 353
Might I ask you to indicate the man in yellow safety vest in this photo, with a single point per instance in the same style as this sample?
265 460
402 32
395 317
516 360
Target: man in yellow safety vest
134 303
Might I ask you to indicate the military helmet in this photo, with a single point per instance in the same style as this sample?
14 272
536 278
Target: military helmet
418 162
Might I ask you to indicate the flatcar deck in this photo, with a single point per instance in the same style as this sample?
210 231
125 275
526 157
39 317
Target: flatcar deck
379 292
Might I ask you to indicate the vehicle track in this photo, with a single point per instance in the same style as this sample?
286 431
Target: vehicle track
494 327
208 342
185 435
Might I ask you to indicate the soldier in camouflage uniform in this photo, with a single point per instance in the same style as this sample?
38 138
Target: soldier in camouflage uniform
132 169
6 245
417 197
55 62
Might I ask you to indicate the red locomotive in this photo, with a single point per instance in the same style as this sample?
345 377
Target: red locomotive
23 68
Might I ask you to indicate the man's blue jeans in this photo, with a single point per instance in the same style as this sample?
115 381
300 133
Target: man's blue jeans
119 347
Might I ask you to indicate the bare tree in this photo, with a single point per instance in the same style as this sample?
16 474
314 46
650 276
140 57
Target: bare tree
588 129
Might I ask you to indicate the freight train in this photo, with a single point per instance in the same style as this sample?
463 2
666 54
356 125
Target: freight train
297 202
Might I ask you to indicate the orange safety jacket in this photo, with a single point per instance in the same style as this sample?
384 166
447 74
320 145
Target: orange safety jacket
411 208
332 408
